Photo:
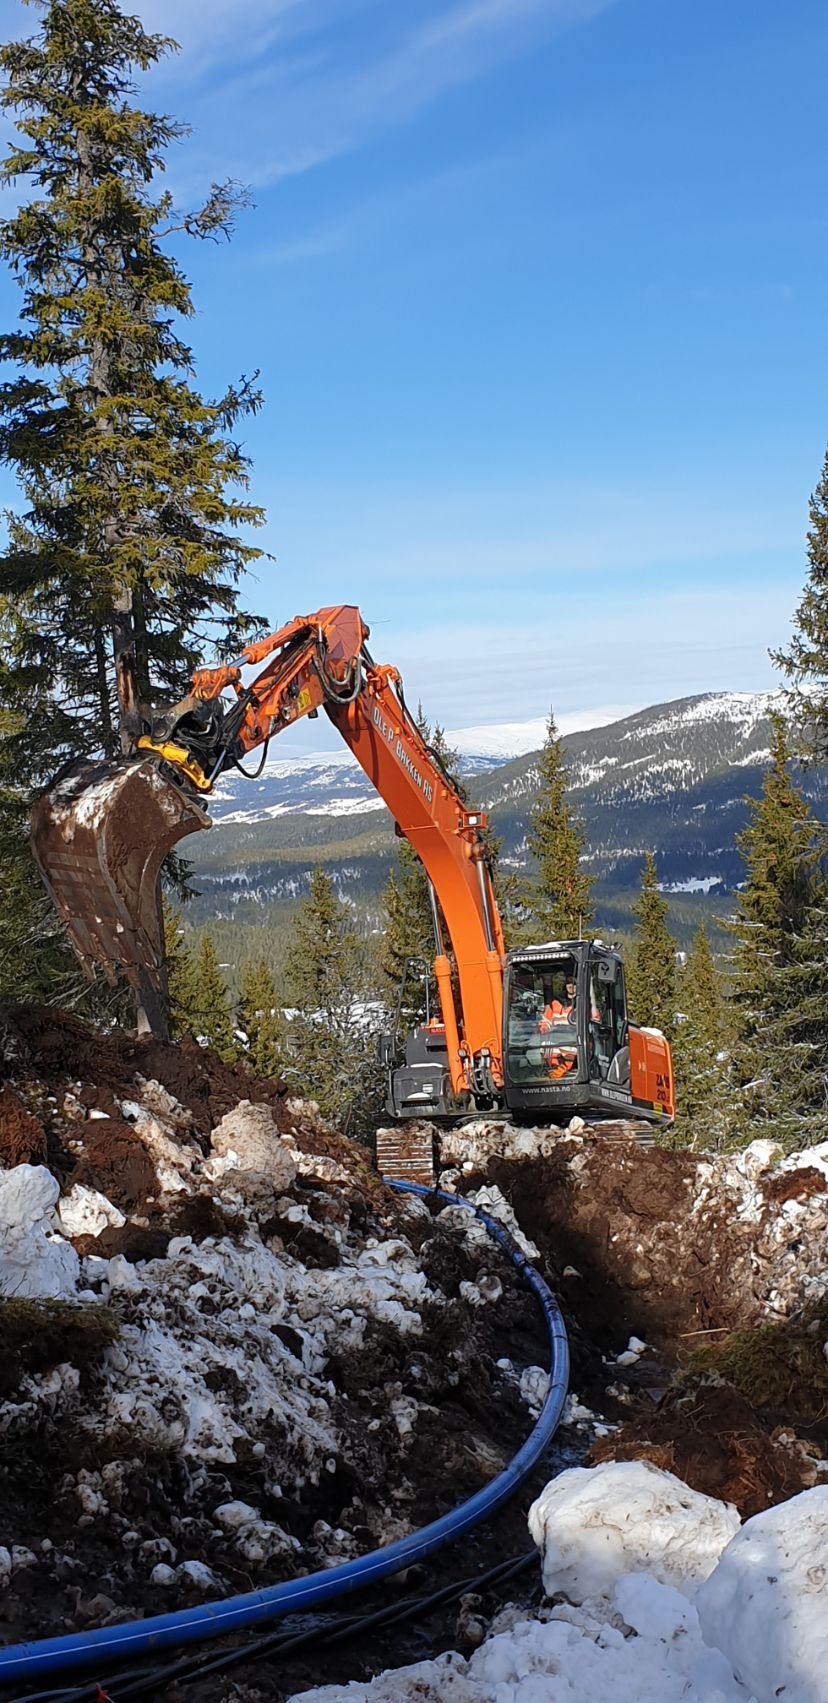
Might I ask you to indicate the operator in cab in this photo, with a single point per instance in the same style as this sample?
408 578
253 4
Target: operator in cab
560 1010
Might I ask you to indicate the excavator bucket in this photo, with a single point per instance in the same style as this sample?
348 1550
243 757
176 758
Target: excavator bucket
100 835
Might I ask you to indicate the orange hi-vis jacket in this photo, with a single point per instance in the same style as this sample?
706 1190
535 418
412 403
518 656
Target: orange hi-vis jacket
556 1012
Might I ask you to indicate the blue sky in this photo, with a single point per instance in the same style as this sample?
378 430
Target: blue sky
536 288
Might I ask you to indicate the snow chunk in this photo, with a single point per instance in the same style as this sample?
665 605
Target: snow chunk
86 1212
766 1603
249 1134
27 1195
595 1523
652 1609
34 1262
492 1201
569 1656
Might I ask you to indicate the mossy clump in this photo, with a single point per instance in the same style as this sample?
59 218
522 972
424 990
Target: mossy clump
780 1368
37 1335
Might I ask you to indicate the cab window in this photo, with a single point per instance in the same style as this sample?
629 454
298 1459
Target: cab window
542 1037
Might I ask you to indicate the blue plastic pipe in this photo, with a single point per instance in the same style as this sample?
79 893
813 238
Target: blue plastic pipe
111 1644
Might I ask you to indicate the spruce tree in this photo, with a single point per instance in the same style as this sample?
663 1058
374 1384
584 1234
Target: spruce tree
261 1020
408 937
778 930
651 967
121 573
559 900
798 1038
700 1051
806 660
211 1014
330 1042
185 1003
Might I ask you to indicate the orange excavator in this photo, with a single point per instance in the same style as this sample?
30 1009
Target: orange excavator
101 833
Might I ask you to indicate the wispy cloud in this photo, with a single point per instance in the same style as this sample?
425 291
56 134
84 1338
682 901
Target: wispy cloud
296 89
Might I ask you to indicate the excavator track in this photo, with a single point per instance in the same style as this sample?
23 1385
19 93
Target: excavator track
99 836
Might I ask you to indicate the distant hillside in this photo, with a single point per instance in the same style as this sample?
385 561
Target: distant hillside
671 779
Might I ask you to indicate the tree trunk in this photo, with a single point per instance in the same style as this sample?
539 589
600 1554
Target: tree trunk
123 647
102 682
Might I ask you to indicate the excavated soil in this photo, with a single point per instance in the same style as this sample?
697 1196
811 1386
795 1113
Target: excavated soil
22 1137
643 1243
720 1444
56 1048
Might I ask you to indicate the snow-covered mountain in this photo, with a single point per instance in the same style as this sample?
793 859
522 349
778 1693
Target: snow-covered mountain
671 779
331 783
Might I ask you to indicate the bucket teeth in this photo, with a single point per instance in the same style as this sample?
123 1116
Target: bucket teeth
100 835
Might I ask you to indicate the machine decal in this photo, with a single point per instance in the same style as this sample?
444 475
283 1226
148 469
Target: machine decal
402 756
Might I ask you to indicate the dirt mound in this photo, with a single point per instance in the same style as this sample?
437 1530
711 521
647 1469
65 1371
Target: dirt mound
795 1185
246 1375
56 1047
114 1161
713 1439
37 1335
781 1368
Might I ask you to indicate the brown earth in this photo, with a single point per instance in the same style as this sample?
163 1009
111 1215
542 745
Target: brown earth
620 1215
22 1137
718 1443
56 1048
619 1241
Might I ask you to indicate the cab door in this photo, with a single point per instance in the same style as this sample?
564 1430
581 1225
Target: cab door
607 1025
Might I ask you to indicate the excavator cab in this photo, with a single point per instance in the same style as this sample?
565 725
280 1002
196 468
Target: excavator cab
568 1047
568 1042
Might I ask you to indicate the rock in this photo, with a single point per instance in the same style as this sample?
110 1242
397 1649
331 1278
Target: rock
249 1133
198 1575
233 1515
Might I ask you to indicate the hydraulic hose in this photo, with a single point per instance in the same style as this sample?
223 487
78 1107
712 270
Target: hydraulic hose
108 1645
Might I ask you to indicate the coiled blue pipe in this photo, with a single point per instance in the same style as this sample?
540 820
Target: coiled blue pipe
111 1644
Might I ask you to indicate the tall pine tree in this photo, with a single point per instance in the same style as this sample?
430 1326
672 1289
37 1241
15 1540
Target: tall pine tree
330 1041
806 660
185 1004
211 1014
701 1051
121 573
261 1020
651 966
559 900
778 929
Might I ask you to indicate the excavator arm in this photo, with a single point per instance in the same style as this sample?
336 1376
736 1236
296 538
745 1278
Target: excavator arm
100 837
